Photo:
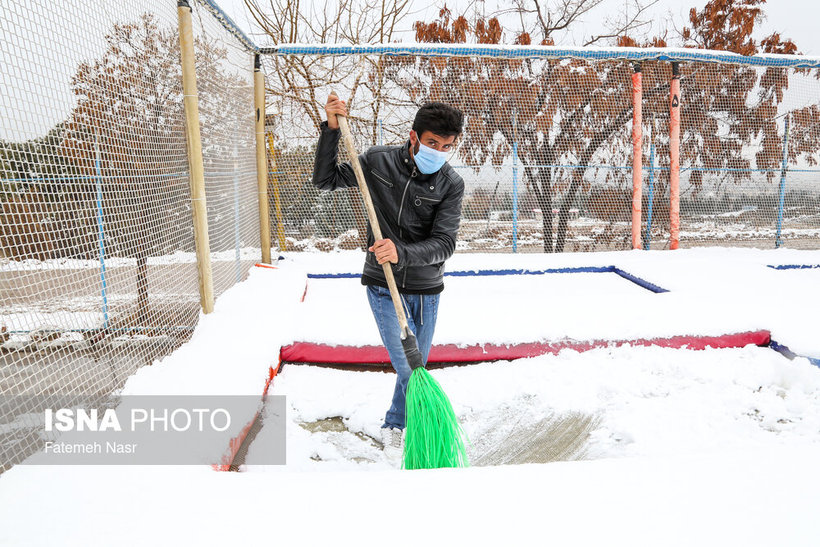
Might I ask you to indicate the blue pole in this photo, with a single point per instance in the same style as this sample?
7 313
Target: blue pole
515 198
515 182
785 166
100 230
236 212
648 242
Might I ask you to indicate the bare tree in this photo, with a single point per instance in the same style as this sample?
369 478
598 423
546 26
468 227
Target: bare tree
294 80
297 86
126 124
544 21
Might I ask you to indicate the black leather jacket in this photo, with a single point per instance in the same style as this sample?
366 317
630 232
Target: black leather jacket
419 213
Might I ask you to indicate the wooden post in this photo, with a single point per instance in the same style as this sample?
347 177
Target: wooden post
347 139
261 163
674 158
195 165
637 155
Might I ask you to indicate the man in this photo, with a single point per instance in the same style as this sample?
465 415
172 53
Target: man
417 197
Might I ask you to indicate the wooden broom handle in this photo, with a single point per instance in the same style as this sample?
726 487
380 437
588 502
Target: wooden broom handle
347 137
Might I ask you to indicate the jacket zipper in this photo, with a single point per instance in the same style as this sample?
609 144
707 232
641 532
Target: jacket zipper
382 179
419 199
404 195
398 220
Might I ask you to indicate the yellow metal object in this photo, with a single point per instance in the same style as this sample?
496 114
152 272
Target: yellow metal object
277 204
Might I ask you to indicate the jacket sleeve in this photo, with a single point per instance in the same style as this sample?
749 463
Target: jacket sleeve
442 241
328 174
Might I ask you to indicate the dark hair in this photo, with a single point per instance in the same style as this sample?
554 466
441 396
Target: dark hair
438 118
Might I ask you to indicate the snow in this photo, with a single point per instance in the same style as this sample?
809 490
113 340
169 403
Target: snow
646 402
231 348
737 498
177 257
665 447
335 311
712 291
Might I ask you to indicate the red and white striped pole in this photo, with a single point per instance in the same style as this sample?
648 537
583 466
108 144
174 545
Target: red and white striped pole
674 158
637 156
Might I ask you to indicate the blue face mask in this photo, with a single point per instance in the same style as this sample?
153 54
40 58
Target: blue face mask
429 160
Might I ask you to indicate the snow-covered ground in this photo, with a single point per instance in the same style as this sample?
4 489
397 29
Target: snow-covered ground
711 291
668 447
644 402
178 257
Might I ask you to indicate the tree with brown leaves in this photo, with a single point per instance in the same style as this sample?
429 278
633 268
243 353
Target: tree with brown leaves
566 115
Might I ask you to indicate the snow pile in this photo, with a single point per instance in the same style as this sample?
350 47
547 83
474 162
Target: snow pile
641 401
233 347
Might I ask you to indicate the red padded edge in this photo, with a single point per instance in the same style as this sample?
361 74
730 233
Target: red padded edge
236 442
307 352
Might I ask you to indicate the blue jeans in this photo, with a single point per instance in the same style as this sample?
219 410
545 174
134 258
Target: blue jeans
422 310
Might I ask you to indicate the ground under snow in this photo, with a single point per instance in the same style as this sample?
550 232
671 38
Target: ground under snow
668 447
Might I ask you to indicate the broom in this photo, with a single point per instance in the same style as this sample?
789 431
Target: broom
433 435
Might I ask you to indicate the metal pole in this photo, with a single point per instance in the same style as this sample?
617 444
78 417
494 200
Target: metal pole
273 169
785 166
674 158
261 163
651 196
637 155
237 263
100 226
515 184
195 165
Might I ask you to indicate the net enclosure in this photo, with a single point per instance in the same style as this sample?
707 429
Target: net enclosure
97 251
548 150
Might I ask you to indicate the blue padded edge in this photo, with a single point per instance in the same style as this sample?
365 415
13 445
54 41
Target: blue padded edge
794 266
547 52
638 281
334 276
479 273
583 269
789 354
476 273
229 25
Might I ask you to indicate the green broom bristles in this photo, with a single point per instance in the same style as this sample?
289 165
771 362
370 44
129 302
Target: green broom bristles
433 437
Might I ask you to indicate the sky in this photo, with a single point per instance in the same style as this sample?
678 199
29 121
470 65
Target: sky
795 19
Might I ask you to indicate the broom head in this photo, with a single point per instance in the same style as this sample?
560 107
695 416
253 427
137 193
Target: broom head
433 437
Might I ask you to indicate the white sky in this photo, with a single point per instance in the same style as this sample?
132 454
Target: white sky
795 19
